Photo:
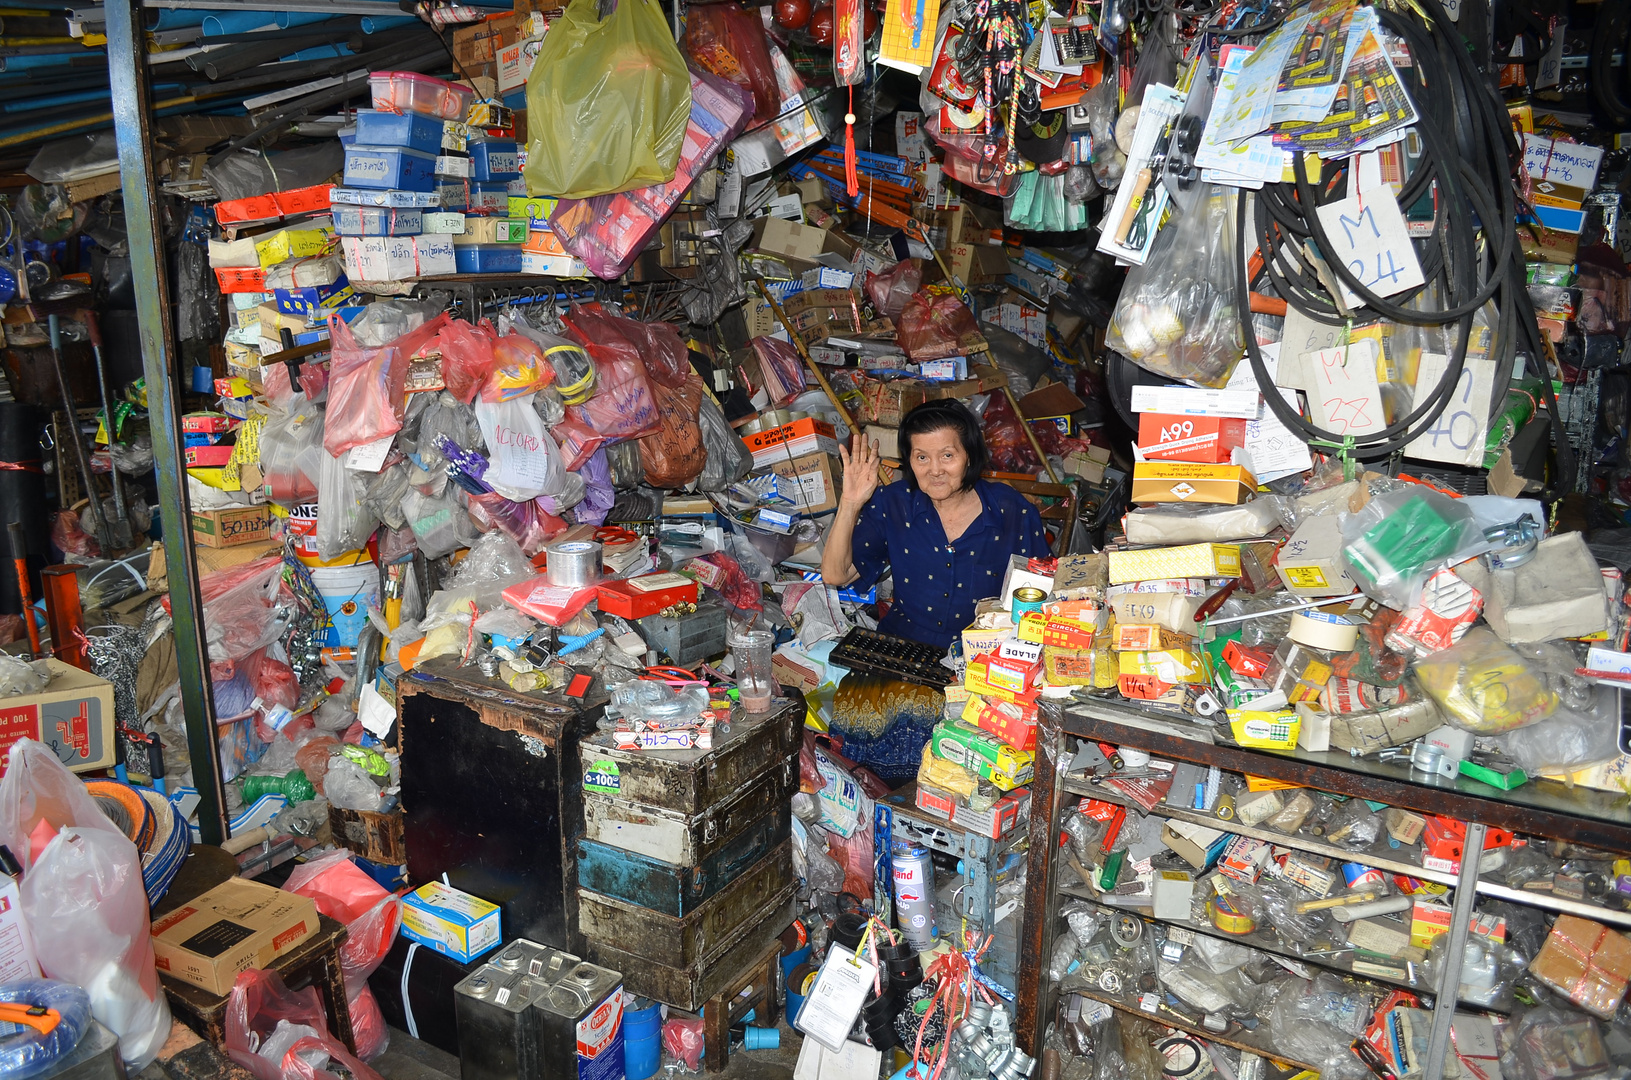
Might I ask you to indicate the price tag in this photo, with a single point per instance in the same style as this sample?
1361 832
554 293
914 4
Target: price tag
1458 435
1369 236
369 457
841 987
1346 398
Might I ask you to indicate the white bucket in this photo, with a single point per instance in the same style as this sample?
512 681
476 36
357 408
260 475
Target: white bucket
348 592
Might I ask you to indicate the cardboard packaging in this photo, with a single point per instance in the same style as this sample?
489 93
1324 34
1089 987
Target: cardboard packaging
1310 563
1000 820
73 715
1190 560
1586 962
1557 594
984 753
791 441
886 403
813 482
238 925
1183 482
1206 439
229 528
451 922
1014 724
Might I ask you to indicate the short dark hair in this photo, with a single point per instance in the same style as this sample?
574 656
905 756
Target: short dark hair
938 415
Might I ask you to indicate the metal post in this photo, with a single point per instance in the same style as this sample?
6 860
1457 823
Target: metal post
1449 978
127 76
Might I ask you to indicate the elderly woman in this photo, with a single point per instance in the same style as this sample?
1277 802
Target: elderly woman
946 533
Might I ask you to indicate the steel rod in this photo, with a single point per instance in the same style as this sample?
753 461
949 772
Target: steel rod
1449 976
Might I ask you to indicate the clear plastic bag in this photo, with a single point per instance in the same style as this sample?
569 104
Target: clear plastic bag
1570 738
890 290
1485 687
367 396
675 455
935 325
21 676
439 522
524 460
289 444
520 369
728 459
1400 538
241 608
609 110
258 1003
1176 315
343 522
729 41
348 786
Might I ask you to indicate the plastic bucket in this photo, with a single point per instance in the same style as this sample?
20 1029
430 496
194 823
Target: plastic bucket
642 1042
348 592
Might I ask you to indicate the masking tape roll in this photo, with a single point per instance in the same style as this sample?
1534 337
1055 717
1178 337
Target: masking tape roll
1317 630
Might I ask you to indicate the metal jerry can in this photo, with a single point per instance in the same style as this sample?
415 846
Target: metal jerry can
498 1033
579 1023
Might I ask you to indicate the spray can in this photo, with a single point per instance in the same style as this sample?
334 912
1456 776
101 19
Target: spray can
914 895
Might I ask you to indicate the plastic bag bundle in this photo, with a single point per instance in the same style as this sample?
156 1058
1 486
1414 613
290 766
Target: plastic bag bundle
1176 315
935 325
729 41
675 455
623 406
1400 538
520 369
1485 687
367 385
524 461
728 459
608 104
344 523
259 1005
289 445
890 290
467 357
527 523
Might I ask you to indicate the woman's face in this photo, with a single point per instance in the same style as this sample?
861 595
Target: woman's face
938 461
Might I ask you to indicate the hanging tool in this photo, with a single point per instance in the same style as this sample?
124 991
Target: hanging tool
124 534
93 510
19 558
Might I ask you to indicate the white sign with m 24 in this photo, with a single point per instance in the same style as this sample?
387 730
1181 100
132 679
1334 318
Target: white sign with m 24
1368 236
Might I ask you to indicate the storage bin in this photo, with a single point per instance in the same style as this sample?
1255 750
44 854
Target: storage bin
454 194
342 196
487 195
494 160
487 258
392 167
416 131
377 221
407 91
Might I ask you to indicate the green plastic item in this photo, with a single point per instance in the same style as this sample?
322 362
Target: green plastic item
1504 778
292 785
1112 870
1402 543
372 761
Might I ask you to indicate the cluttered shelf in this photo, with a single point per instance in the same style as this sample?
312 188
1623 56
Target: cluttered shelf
1383 855
1545 807
1164 1015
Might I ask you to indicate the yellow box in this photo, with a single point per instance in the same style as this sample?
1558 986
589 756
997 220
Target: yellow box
292 244
1184 561
1186 482
1265 730
1072 667
1168 665
976 641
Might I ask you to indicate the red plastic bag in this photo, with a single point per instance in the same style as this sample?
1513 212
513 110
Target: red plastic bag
578 441
735 586
675 456
467 357
1005 438
682 1037
273 681
623 406
367 394
528 524
729 41
935 325
70 538
890 290
657 345
259 1000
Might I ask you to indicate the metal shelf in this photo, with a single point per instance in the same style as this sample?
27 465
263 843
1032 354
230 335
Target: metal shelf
1166 1018
1374 857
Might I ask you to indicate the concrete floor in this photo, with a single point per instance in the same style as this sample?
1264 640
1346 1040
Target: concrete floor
409 1059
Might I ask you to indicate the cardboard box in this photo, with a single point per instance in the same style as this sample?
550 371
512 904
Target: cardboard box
237 925
976 641
791 441
1586 962
887 403
813 482
1310 563
1183 482
452 922
73 715
975 263
229 528
1197 845
801 246
1187 560
997 822
1208 439
1013 724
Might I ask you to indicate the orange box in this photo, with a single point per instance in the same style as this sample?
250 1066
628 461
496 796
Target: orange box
637 597
1014 724
241 279
278 204
1206 439
792 440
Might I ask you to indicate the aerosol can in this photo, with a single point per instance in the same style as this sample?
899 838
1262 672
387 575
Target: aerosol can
914 894
579 1020
498 1031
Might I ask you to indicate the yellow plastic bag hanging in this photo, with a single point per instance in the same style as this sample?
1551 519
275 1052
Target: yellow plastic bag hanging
607 102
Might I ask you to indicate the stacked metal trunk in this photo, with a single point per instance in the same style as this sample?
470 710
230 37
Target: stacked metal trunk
685 865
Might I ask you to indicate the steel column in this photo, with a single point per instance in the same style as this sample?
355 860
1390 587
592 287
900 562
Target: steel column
1449 976
132 101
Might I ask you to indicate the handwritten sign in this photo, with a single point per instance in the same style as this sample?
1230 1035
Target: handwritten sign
1458 435
1302 338
1346 398
1369 237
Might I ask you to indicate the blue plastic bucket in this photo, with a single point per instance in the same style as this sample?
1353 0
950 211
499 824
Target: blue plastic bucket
642 1042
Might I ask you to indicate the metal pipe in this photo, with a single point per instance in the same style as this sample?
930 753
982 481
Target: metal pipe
1449 975
219 63
132 106
93 508
120 528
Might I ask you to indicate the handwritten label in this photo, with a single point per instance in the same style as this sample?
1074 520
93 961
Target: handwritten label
1346 397
1271 450
369 457
1369 237
1458 435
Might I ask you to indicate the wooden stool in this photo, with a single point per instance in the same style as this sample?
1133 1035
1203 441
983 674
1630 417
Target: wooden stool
753 990
314 962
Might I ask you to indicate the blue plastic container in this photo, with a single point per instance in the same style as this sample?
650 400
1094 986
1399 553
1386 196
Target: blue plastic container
494 160
377 221
416 131
490 195
642 1042
455 194
487 258
394 167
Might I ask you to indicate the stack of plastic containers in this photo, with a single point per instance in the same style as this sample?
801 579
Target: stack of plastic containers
491 243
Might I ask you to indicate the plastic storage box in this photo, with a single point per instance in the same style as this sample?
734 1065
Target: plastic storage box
377 221
454 194
490 196
487 258
416 131
406 91
494 160
393 167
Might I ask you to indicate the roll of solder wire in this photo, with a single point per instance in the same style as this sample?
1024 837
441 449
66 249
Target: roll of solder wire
1470 153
